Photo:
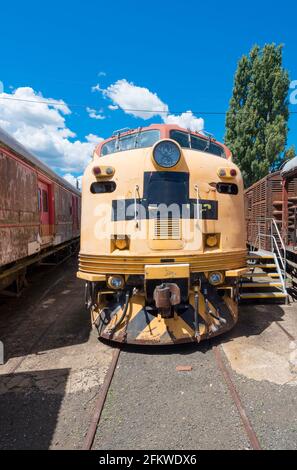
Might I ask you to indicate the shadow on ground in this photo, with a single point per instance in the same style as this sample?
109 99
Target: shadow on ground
33 399
50 313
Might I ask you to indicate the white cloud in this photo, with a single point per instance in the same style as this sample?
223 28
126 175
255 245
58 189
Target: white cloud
142 103
39 124
134 99
186 120
102 74
96 88
94 139
73 180
94 115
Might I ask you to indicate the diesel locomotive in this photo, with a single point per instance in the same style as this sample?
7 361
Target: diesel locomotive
163 241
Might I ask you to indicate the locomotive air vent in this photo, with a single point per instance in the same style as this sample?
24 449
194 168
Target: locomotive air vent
167 229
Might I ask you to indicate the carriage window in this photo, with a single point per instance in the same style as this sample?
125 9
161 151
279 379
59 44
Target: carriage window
197 143
39 200
131 142
44 201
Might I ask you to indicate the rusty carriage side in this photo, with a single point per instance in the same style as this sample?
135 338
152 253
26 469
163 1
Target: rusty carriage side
39 212
272 197
271 218
263 201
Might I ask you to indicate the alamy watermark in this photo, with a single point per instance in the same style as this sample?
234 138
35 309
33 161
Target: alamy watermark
154 221
293 94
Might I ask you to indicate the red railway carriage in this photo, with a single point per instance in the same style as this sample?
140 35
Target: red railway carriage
39 211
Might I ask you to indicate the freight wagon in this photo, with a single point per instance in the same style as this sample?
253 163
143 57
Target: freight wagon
271 214
39 211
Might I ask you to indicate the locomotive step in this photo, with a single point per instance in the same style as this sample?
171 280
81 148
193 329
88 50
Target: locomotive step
260 256
266 265
263 295
262 274
246 285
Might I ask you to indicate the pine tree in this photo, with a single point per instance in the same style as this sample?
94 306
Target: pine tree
257 119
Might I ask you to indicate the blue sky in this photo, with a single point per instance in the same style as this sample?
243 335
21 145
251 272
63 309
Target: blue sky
185 53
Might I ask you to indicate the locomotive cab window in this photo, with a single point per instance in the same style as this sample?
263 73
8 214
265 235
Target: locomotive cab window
131 142
186 140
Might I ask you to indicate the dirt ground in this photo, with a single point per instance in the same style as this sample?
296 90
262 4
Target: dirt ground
55 365
46 403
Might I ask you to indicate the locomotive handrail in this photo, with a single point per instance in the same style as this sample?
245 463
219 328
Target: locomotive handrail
283 247
136 218
281 276
277 247
272 224
197 202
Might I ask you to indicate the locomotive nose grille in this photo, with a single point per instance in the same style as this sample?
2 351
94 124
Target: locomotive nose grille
167 229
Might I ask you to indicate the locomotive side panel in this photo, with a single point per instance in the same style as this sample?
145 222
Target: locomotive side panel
19 220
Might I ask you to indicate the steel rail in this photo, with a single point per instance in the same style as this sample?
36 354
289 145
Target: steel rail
99 404
236 398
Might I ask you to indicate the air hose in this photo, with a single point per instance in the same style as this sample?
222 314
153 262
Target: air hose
125 309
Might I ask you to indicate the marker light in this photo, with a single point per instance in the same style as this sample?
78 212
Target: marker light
215 278
115 282
222 173
166 153
227 172
97 170
109 170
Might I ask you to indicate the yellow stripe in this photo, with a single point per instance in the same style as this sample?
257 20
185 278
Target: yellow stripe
166 271
268 295
133 309
136 265
175 327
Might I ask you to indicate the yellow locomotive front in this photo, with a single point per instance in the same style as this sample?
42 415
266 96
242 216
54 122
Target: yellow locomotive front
162 236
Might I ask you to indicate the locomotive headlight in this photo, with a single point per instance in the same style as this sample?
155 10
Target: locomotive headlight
166 153
216 278
115 282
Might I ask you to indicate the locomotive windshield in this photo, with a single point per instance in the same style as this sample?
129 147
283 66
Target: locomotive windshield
186 140
131 141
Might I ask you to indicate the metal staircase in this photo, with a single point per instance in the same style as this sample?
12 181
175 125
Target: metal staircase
266 278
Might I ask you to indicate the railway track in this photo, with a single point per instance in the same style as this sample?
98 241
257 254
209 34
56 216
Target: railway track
215 352
225 375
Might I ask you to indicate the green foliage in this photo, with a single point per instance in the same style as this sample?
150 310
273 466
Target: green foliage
257 119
